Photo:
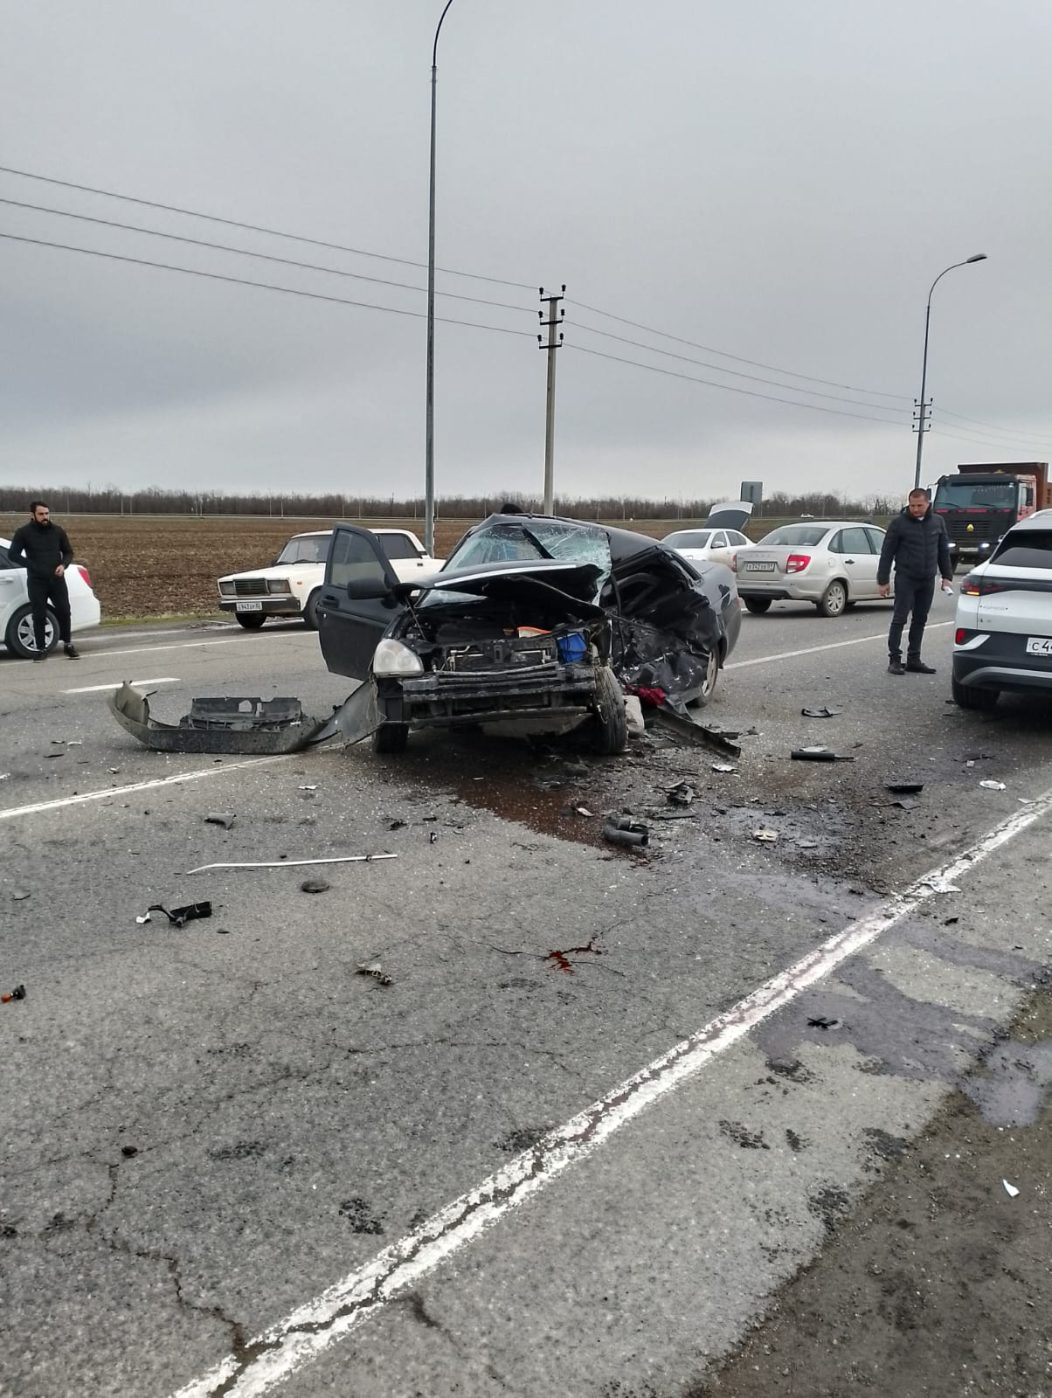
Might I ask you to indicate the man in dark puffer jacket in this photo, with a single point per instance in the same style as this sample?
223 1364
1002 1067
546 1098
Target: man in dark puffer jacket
917 545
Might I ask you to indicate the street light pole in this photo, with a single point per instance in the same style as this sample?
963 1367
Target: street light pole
923 407
429 430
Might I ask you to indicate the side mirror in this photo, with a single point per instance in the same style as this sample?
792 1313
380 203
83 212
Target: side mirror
367 589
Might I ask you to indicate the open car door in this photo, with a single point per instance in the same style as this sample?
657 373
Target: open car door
731 514
358 601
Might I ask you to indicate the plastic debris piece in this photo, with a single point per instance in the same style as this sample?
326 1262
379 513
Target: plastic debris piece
314 886
904 788
129 1151
20 894
949 922
724 767
764 836
821 1022
179 917
817 754
309 788
634 716
401 824
826 711
19 993
376 970
623 830
993 786
582 811
295 863
431 837
223 818
906 803
937 885
1010 1189
145 918
682 794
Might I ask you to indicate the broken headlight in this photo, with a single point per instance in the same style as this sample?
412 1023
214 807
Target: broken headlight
393 658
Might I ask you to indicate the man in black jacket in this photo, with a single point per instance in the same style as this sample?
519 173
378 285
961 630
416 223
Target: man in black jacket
917 545
43 549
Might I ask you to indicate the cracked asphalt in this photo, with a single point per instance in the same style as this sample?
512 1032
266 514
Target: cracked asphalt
207 1127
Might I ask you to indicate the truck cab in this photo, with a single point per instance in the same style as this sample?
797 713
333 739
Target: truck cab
981 502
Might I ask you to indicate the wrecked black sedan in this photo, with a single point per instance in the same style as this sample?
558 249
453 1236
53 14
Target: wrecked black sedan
535 622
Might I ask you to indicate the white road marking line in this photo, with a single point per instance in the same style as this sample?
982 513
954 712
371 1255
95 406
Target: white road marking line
813 650
313 1327
178 645
116 684
87 796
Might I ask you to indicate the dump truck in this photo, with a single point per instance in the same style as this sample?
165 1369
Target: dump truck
982 500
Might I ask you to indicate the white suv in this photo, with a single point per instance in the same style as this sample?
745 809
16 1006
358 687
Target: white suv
291 585
1003 636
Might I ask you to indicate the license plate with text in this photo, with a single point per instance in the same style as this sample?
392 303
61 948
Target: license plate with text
250 606
1039 645
758 567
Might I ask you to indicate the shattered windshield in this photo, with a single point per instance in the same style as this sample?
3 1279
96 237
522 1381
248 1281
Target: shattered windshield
527 540
308 548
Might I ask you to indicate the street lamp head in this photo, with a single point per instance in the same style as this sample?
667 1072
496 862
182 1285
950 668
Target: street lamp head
976 257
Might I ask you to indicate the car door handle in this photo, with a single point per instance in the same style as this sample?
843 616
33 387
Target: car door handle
850 562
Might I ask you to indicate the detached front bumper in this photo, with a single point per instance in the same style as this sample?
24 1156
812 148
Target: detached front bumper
449 700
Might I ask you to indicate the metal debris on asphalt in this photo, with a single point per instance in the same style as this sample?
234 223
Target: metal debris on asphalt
1010 1189
826 711
682 794
821 1022
993 786
623 830
724 767
20 894
19 993
179 917
295 863
765 837
817 754
224 818
582 811
374 969
314 886
904 788
905 803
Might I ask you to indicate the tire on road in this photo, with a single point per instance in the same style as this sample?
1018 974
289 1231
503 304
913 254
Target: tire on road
391 737
310 610
834 600
610 726
757 605
969 697
19 636
712 674
251 621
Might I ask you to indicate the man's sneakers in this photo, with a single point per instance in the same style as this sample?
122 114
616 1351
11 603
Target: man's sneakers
916 666
895 666
71 651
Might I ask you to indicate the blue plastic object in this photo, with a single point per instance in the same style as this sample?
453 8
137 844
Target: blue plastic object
572 647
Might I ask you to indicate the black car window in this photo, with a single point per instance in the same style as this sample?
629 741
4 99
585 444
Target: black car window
1028 548
836 543
352 559
876 539
397 546
5 562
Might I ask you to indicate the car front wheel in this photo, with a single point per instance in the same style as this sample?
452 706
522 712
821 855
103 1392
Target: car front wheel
19 637
969 697
251 621
610 734
834 600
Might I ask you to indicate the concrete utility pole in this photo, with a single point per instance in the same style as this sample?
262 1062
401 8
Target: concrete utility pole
555 319
429 388
922 414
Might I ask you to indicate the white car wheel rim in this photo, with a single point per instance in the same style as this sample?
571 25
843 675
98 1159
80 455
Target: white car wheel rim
28 639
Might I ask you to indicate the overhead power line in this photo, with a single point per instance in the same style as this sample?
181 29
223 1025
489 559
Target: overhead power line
261 286
996 427
255 227
261 256
730 388
964 434
737 358
733 373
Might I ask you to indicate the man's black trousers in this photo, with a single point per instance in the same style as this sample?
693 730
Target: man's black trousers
912 596
41 592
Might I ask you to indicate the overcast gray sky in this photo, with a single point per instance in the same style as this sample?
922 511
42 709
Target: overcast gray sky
778 182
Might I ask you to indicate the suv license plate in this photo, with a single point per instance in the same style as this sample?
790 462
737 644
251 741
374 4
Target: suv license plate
1039 645
249 607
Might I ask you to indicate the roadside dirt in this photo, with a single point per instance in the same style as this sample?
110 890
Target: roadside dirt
940 1283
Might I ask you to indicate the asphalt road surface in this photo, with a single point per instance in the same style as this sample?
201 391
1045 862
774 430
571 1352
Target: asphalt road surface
609 1103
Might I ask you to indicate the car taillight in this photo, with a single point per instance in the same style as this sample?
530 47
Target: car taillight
83 573
797 562
980 587
960 636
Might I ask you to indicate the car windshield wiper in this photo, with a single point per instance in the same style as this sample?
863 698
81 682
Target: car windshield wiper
536 542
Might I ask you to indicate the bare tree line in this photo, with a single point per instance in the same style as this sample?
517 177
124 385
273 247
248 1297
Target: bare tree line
110 500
